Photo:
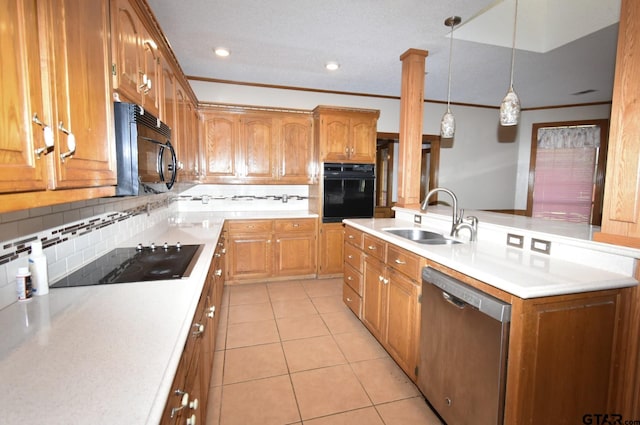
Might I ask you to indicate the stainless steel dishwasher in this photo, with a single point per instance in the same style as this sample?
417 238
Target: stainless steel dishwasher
463 350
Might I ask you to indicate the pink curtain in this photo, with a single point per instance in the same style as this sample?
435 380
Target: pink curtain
564 173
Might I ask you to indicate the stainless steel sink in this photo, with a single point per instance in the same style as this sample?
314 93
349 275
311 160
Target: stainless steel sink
422 236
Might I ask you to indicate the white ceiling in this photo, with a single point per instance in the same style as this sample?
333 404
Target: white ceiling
564 46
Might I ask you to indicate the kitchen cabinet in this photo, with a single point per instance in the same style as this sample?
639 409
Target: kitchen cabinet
353 268
331 248
258 147
187 400
271 249
346 135
136 58
52 50
295 247
390 298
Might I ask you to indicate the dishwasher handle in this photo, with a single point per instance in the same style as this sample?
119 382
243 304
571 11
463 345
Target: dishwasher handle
465 294
454 301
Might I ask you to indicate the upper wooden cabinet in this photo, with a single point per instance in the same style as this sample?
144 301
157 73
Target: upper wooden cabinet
22 98
257 147
54 83
136 59
346 135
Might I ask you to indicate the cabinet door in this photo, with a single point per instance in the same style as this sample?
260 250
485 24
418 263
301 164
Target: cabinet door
168 104
374 297
331 249
257 148
296 150
126 39
362 146
20 86
295 254
220 147
334 138
151 75
251 256
82 93
402 322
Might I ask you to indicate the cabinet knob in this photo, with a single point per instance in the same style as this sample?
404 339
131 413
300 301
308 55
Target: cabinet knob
194 404
349 257
218 272
371 247
191 420
348 299
385 281
349 278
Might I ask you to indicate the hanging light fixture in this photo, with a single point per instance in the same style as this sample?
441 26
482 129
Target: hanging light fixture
448 123
510 106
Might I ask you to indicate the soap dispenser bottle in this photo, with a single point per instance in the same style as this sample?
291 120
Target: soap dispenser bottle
38 268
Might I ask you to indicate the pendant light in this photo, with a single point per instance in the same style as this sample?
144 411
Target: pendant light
448 122
510 106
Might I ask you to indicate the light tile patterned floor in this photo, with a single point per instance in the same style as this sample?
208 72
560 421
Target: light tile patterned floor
293 353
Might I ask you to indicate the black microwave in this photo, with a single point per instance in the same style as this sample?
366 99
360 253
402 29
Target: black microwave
146 160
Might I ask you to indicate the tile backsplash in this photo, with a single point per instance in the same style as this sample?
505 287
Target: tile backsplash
76 233
73 234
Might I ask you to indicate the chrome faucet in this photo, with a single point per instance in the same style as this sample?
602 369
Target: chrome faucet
456 216
470 223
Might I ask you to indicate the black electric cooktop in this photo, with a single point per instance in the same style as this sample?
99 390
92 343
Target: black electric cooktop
134 265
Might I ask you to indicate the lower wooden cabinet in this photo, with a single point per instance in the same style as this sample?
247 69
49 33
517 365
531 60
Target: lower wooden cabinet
331 247
187 400
387 279
271 249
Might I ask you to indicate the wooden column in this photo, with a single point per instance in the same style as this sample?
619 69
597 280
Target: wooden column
411 107
621 209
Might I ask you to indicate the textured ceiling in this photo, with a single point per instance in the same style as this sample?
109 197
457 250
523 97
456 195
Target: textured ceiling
287 43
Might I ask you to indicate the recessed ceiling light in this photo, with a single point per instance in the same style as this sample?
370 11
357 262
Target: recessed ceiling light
332 66
222 51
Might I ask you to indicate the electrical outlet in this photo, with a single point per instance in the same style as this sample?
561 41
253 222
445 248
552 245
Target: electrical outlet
417 219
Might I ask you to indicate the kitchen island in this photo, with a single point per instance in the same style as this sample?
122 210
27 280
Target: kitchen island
566 295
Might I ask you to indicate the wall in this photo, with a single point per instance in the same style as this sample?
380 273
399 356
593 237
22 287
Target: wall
487 170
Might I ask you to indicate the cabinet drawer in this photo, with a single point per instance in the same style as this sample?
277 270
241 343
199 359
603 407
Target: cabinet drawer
353 278
374 247
352 300
353 256
405 262
296 225
242 226
353 236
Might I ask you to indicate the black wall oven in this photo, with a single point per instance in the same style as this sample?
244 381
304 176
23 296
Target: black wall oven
349 191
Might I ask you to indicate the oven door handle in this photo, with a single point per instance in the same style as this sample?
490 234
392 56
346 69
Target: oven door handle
173 167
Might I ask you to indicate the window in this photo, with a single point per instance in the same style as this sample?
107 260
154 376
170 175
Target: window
566 177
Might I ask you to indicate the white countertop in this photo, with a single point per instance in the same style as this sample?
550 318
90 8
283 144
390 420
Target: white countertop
520 272
102 354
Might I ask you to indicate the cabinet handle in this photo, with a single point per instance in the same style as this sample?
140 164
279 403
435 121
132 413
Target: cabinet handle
296 225
351 237
199 331
71 142
183 403
371 247
212 312
48 137
399 261
146 83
